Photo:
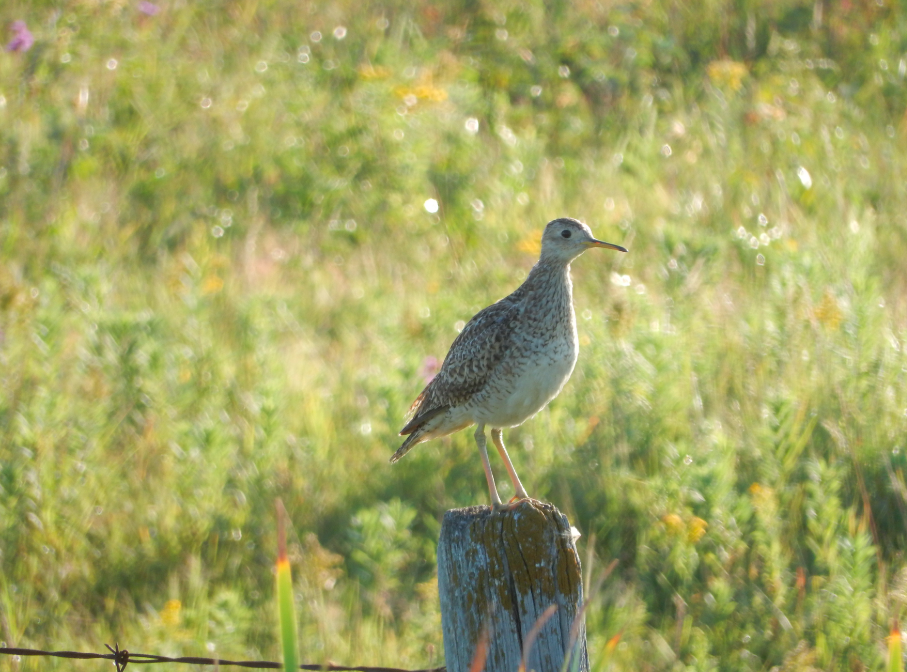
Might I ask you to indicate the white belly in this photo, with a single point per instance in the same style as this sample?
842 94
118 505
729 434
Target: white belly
513 399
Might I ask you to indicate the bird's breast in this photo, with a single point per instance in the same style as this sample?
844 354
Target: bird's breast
525 383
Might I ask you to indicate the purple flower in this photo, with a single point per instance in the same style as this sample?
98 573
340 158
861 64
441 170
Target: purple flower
430 368
148 8
22 38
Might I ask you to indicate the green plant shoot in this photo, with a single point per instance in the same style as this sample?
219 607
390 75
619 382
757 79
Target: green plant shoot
895 659
285 609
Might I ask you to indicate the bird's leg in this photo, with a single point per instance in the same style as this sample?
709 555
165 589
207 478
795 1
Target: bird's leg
497 437
481 442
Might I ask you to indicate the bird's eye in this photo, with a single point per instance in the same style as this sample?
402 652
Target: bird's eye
566 233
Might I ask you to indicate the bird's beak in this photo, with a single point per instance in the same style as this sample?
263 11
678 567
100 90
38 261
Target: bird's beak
592 242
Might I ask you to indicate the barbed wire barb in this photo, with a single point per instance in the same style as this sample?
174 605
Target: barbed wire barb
120 658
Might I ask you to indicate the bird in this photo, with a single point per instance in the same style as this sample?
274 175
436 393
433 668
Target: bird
510 360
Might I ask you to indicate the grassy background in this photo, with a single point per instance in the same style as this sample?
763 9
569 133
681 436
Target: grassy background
219 285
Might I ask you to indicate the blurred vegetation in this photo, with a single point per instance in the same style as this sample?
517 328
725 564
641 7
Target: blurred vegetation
219 284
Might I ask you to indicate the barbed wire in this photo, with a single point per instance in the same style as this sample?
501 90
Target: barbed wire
122 657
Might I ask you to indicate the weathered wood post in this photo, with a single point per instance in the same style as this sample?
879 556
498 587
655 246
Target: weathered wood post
502 571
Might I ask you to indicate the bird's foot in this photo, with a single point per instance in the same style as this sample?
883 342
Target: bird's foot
514 502
520 493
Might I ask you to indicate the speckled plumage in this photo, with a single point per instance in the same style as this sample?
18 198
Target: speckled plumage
512 358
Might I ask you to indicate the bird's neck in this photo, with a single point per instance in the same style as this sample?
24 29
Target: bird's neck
551 270
553 280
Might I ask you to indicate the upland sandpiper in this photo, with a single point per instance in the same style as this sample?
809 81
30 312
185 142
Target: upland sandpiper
509 360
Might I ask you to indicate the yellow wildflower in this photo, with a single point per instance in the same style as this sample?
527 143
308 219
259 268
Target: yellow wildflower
369 72
212 284
673 523
696 529
828 312
170 614
727 74
531 245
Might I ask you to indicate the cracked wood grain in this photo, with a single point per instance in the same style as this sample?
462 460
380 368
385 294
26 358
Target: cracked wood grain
502 571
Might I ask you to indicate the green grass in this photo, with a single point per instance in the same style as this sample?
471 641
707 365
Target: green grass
218 285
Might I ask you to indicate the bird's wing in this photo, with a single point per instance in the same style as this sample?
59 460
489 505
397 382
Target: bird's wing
472 358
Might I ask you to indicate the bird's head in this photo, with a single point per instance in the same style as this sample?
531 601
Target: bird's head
565 239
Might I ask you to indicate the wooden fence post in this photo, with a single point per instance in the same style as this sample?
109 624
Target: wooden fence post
502 571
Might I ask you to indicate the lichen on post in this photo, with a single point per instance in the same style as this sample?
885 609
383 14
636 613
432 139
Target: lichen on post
503 571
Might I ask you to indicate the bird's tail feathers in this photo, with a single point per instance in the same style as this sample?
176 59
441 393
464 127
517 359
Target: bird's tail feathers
419 421
417 428
411 441
414 408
